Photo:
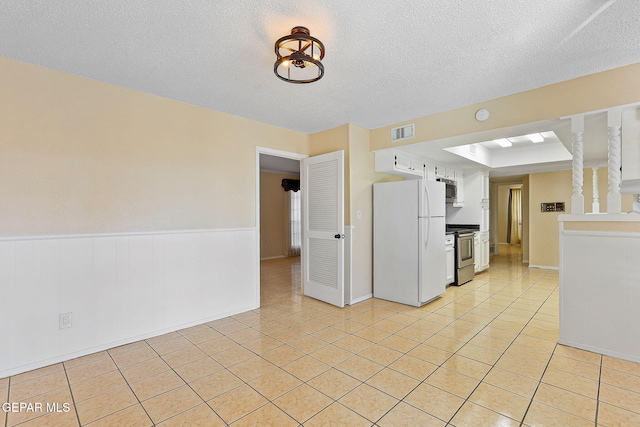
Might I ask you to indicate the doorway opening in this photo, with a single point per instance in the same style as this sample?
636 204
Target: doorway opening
509 220
278 225
514 217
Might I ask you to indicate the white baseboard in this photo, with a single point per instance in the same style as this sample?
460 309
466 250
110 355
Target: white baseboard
525 261
86 352
595 349
364 298
546 267
273 257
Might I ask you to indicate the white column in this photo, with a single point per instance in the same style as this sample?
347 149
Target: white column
577 200
614 122
595 206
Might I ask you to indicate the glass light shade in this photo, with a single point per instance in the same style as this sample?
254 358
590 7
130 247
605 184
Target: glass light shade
298 57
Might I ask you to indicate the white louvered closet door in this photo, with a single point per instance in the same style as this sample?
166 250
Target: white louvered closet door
323 227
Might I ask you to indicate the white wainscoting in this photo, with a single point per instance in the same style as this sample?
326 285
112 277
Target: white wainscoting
119 288
600 291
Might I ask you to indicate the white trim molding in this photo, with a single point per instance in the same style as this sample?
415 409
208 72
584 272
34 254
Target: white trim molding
545 267
363 298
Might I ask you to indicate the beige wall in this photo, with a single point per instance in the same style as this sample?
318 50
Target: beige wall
525 219
330 140
589 93
362 175
547 187
273 215
557 187
80 156
359 176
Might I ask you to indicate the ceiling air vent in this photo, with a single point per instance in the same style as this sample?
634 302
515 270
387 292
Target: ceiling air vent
403 132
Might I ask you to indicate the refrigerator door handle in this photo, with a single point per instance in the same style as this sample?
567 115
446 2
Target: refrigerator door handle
425 207
426 233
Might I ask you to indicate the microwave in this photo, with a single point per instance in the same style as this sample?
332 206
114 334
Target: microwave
450 189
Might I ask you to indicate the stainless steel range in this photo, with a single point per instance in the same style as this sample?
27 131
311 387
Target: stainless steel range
464 248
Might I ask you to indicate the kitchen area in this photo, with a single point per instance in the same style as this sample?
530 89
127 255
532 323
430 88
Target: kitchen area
455 204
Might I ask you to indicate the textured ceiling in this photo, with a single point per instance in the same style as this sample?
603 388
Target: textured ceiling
385 61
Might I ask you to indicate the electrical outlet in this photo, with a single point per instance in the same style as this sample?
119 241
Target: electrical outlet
65 320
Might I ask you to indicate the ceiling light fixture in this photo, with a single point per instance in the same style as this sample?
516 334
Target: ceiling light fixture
536 137
299 57
503 142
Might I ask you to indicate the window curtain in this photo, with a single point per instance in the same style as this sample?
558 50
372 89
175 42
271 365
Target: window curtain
294 232
294 223
514 217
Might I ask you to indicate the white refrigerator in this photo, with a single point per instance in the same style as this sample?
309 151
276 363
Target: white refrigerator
409 258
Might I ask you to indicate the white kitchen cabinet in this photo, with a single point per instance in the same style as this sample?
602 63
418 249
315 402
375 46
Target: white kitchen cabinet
484 224
440 171
399 163
486 250
485 187
481 248
430 172
458 177
477 256
450 173
449 242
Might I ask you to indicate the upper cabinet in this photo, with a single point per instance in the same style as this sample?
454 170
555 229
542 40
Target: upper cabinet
411 166
444 172
399 163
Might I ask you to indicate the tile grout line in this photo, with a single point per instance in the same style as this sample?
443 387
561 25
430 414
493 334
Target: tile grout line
598 393
373 343
477 333
448 358
452 354
6 415
227 369
524 416
492 366
272 401
75 405
128 385
186 382
505 350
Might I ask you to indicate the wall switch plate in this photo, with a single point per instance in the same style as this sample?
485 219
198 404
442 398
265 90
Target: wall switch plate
359 214
65 320
552 207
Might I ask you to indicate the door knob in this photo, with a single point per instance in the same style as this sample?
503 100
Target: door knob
339 236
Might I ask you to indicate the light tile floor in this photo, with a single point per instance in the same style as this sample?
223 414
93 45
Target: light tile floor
484 354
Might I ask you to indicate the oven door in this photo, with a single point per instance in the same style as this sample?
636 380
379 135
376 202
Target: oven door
465 250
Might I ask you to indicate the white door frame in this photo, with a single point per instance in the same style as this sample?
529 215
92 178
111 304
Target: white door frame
271 152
